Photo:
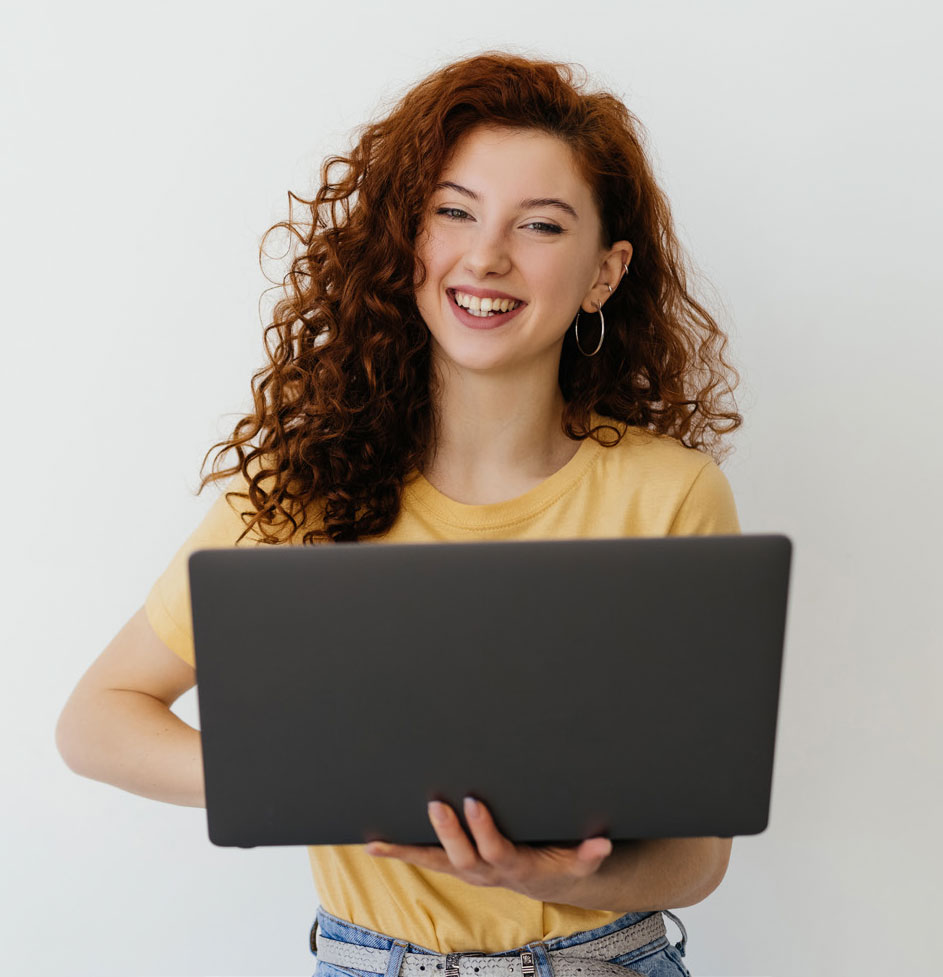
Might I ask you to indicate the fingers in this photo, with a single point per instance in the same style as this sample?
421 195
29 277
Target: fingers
459 848
434 859
489 858
458 854
475 859
493 847
591 854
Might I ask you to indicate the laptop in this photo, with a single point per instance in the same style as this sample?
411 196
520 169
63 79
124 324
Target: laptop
626 687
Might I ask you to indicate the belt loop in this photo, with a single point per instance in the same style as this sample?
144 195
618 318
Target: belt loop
397 952
541 958
684 933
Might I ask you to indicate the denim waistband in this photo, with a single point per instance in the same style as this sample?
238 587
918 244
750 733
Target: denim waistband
386 954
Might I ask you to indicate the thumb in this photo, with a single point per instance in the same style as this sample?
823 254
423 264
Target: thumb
594 849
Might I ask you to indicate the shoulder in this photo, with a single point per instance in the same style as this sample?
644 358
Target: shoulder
231 520
681 490
659 455
708 505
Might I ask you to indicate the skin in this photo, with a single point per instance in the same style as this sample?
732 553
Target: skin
114 716
499 407
488 858
499 402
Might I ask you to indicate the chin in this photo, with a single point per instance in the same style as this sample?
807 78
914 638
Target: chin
473 360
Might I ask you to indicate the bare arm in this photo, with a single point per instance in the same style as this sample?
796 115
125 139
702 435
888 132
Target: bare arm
117 725
630 876
655 873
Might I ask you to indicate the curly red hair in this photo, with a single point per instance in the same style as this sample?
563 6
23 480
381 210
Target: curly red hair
344 410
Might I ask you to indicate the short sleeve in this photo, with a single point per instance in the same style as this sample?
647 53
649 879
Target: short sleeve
708 508
167 605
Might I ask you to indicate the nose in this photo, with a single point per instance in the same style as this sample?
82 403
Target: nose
487 253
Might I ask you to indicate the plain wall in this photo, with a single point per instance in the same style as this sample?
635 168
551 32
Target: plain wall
147 148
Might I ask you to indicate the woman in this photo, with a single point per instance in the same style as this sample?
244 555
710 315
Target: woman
485 334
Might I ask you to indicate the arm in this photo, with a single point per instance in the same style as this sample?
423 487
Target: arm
117 725
654 873
632 876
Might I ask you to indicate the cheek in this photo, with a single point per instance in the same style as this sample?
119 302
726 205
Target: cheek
429 240
430 252
439 256
420 249
551 279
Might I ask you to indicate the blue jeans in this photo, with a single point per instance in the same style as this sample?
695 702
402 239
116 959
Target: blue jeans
656 959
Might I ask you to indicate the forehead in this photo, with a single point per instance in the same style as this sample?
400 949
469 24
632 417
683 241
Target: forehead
516 162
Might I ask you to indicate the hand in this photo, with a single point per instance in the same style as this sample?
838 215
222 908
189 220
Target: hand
549 874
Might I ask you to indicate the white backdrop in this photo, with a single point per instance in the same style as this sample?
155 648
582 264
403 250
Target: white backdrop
147 147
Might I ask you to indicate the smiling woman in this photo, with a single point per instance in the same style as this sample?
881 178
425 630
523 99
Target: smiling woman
497 370
496 175
485 333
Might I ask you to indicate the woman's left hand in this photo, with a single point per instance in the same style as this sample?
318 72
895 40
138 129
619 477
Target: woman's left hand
548 874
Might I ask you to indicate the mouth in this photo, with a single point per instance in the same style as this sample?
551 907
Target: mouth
483 308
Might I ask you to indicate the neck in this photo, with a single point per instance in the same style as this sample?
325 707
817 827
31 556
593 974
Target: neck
497 434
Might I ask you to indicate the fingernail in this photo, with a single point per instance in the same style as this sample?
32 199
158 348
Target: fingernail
472 807
438 812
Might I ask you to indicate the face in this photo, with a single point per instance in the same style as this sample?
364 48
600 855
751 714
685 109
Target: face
510 219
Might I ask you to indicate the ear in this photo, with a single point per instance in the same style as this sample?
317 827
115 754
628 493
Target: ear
612 269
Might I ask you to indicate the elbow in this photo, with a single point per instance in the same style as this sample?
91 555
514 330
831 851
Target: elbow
721 860
716 860
69 741
64 740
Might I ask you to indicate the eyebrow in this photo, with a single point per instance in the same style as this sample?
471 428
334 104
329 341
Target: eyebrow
524 204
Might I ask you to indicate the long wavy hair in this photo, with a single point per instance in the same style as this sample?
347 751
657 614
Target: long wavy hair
344 411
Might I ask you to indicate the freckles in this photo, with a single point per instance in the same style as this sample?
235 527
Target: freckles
428 247
425 254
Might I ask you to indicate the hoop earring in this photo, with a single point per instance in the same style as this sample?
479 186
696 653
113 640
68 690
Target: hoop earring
602 332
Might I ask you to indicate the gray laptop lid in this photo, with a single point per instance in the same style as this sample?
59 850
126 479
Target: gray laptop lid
619 686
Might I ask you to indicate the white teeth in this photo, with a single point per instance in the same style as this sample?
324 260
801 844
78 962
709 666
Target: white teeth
484 306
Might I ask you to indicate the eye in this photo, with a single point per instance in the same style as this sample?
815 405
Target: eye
453 213
545 228
457 214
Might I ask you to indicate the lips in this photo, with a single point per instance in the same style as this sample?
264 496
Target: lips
488 320
482 293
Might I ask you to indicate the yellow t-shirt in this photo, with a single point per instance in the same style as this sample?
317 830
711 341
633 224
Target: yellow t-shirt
647 485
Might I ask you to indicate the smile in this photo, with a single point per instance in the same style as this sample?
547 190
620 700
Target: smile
483 307
492 312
